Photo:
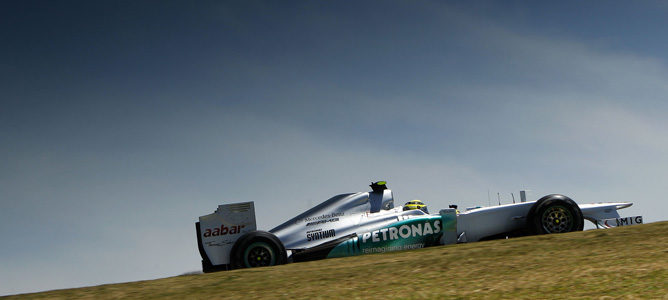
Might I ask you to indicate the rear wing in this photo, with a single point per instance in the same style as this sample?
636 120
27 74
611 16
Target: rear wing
217 232
605 215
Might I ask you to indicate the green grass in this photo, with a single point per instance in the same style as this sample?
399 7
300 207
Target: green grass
621 263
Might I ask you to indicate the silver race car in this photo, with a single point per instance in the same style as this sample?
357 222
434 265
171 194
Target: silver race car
368 222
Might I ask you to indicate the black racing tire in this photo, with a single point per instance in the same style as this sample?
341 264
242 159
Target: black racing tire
257 249
554 214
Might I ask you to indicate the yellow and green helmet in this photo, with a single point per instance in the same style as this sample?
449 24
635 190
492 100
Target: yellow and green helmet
415 204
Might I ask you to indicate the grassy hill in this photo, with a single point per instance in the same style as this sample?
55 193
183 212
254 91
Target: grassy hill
628 262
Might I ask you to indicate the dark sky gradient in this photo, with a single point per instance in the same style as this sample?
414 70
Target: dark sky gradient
121 122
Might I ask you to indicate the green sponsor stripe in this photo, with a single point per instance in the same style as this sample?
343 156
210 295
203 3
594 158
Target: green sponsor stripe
402 235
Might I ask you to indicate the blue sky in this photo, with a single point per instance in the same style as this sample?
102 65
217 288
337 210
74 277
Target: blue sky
122 122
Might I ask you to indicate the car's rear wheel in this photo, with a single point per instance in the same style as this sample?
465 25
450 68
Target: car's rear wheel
259 254
258 249
555 214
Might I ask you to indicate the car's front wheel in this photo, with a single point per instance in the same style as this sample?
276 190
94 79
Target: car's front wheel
555 214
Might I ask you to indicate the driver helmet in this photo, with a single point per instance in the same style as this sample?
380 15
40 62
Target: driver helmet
416 204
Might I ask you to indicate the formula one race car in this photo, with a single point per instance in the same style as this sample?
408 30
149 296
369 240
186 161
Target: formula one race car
368 222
